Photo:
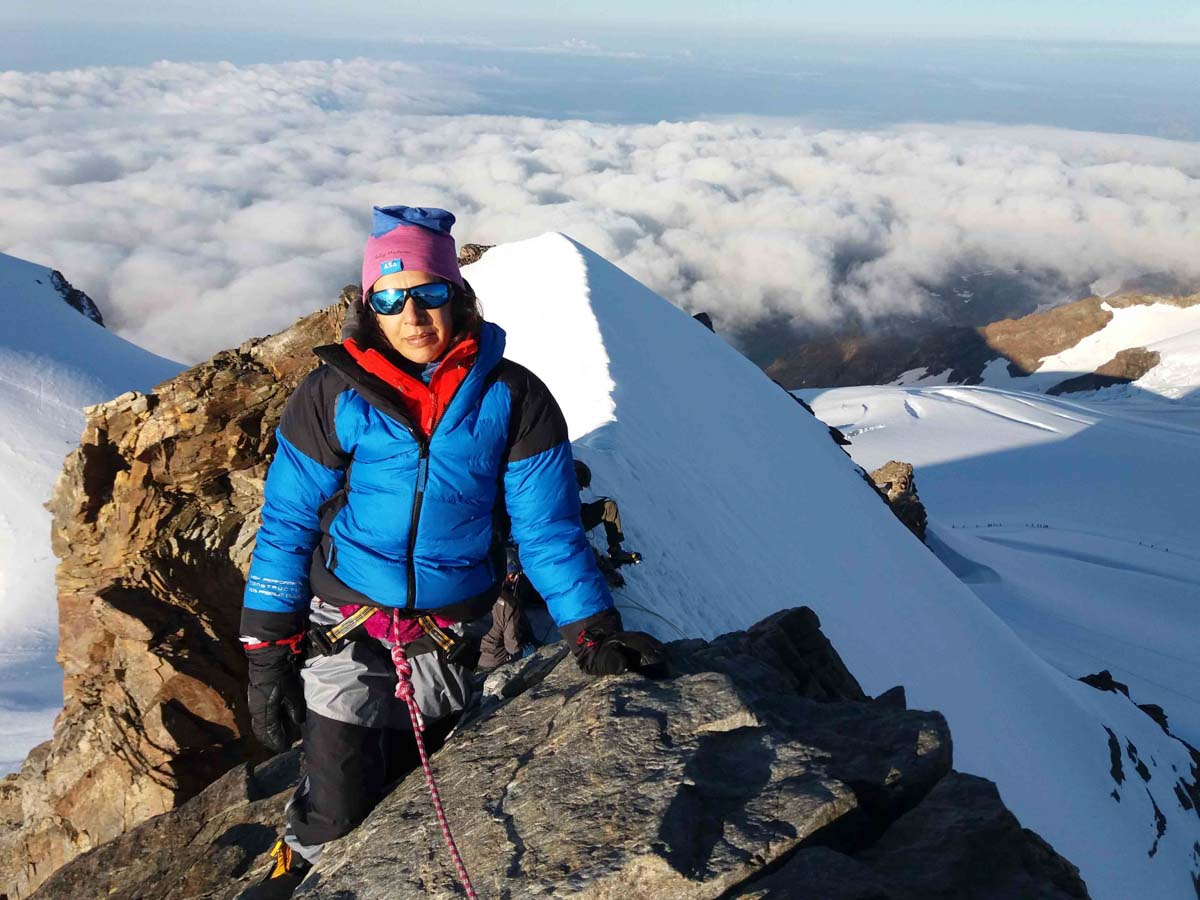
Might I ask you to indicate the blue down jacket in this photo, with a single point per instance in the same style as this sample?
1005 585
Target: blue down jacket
359 509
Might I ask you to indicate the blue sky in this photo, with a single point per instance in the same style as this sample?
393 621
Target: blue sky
638 75
1094 20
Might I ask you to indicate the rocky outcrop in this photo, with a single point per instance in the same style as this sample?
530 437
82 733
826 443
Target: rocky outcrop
154 520
1028 340
895 481
76 298
470 253
758 768
960 841
210 847
879 355
1126 367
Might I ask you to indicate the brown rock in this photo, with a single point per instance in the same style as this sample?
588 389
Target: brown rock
1127 366
469 253
895 481
1028 340
154 522
214 846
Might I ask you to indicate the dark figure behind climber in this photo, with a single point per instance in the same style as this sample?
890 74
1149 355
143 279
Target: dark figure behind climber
604 511
511 636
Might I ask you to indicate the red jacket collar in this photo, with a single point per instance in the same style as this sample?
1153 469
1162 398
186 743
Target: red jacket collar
425 404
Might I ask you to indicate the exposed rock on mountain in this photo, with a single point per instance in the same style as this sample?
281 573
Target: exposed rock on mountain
896 482
76 298
470 253
1026 341
1127 366
210 847
758 767
880 356
154 519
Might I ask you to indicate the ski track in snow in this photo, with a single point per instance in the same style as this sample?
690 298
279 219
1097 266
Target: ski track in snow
978 402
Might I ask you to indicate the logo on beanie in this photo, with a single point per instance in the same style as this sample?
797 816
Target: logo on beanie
388 266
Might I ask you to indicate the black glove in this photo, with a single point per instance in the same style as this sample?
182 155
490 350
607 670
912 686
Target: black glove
275 696
602 646
612 654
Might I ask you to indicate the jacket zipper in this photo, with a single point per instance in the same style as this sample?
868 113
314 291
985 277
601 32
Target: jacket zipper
418 496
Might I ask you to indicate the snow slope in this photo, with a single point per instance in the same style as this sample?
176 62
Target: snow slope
1073 521
53 362
742 505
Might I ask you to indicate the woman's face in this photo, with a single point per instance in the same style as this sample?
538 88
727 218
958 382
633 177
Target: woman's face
419 335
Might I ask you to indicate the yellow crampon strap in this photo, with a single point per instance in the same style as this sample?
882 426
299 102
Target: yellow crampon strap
282 854
444 641
348 624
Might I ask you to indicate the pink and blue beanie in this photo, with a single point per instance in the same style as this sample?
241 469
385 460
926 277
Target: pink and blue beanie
410 238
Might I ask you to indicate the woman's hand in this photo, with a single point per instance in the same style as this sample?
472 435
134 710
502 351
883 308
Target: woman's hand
602 646
621 651
275 697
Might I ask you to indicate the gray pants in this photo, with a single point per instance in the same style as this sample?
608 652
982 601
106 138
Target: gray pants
358 736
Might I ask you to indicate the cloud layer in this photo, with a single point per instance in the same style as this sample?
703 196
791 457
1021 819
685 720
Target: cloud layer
204 204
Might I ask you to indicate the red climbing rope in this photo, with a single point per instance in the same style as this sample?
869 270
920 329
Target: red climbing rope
406 692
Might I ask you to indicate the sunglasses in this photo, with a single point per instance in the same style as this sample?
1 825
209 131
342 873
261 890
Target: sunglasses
390 301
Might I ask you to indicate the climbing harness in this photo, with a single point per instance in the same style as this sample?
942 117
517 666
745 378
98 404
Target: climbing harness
328 641
406 692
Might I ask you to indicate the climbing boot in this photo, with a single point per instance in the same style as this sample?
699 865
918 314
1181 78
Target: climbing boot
288 869
619 557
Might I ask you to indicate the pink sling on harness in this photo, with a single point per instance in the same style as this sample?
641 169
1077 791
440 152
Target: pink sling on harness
393 628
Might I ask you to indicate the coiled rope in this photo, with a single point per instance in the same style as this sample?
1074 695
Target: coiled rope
406 692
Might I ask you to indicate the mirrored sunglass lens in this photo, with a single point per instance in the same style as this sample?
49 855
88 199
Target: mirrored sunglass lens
431 295
388 302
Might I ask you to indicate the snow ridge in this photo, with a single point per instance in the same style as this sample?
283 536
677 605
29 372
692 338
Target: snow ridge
742 505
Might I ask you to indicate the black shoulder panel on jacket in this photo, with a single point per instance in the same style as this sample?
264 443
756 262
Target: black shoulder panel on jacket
537 423
370 387
308 418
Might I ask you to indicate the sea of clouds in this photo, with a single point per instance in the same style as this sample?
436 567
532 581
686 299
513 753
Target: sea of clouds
201 204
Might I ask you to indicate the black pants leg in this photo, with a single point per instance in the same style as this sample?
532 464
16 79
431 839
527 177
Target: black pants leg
350 767
603 510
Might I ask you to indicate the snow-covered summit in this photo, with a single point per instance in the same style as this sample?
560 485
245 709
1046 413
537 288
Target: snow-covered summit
742 505
55 359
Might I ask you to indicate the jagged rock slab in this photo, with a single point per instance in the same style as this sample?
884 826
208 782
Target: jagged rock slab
210 848
727 779
627 787
961 841
818 872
